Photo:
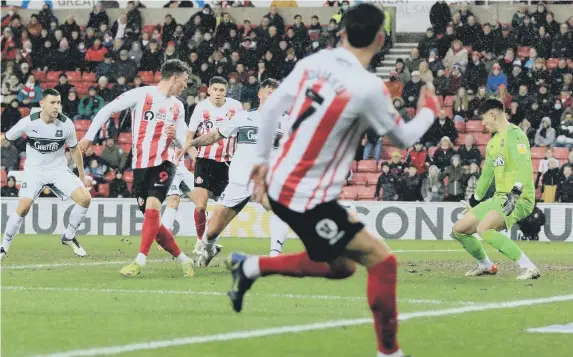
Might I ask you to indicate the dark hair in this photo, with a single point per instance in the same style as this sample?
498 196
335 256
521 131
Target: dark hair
270 83
218 80
362 23
490 104
173 67
297 15
50 91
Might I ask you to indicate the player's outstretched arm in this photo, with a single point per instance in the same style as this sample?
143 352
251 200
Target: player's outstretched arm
124 101
484 181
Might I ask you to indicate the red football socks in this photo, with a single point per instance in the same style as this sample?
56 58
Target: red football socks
166 240
382 302
298 265
149 230
200 220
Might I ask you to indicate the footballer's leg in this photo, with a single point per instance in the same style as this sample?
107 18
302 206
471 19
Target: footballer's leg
489 229
171 207
279 230
82 198
463 231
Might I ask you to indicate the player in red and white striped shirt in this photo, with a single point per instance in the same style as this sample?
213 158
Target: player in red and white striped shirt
334 99
158 118
212 163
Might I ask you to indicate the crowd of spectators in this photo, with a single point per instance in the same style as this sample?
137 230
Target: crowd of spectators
465 60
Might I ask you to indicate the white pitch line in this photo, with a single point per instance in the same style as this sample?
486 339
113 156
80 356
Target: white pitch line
241 335
217 293
166 260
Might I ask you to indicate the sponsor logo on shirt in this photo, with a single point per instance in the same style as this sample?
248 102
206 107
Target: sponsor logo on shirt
45 146
521 148
499 161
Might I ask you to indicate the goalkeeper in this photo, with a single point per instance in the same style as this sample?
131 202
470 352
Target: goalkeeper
508 160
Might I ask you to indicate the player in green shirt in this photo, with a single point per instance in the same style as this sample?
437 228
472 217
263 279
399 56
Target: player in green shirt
508 160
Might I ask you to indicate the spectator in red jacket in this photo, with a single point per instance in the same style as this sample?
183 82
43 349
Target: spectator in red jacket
95 54
9 46
419 157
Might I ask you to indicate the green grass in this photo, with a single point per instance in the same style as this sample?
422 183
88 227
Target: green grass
56 309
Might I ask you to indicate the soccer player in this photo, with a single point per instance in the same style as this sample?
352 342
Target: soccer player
158 118
47 131
334 99
508 160
237 193
212 162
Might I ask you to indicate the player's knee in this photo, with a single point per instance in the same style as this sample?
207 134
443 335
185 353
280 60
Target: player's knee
201 207
23 208
85 200
482 228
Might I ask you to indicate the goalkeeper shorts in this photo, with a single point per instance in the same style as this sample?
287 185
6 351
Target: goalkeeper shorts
523 209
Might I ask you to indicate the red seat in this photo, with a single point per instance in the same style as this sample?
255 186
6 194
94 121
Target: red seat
147 76
449 112
449 101
460 126
432 150
366 192
53 76
482 149
371 178
97 149
523 51
103 190
129 186
441 100
76 83
353 166
24 112
83 88
110 175
82 124
149 28
358 179
367 166
124 138
474 126
128 176
47 85
349 193
461 139
74 76
40 75
126 148
537 152
80 134
560 153
570 63
482 139
552 63
4 177
535 164
89 77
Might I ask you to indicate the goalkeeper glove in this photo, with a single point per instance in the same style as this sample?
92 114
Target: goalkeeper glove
511 199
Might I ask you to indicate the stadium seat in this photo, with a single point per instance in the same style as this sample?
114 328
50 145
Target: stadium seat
432 150
24 111
103 190
441 100
358 179
40 75
560 153
461 139
523 52
570 63
128 176
129 186
535 164
482 149
460 126
4 174
124 138
353 166
371 179
110 175
97 149
82 124
74 76
53 76
126 148
552 63
367 166
46 85
76 83
474 126
449 101
366 192
147 76
482 139
149 28
80 134
537 152
89 77
83 88
349 193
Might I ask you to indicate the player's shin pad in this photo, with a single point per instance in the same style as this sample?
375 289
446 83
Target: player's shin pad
471 245
502 243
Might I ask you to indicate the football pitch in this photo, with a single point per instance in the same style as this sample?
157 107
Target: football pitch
56 304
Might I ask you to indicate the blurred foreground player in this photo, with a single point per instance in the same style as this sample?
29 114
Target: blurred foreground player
158 117
508 160
334 99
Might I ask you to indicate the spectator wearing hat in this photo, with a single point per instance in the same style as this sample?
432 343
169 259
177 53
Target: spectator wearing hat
476 74
443 127
63 87
427 43
455 81
413 62
440 16
394 85
71 104
517 78
31 93
90 104
564 130
127 67
412 89
419 157
457 54
434 62
403 71
546 134
388 183
411 182
9 190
